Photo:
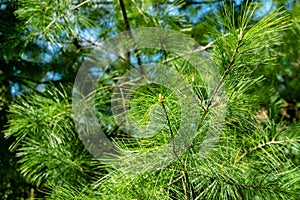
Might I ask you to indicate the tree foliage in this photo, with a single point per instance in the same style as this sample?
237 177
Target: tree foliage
256 155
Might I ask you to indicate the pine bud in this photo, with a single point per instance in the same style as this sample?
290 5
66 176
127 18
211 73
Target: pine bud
160 97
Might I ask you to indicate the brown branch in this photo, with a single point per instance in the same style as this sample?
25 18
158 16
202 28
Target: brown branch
126 21
127 25
188 187
227 69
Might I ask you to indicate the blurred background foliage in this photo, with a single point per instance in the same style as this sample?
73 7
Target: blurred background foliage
42 44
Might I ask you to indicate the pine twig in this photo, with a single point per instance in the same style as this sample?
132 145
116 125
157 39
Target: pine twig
227 69
127 25
263 145
238 185
60 16
188 187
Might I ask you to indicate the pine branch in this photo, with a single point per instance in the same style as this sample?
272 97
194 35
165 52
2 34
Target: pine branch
266 144
174 181
227 69
238 184
60 16
201 49
206 189
127 25
114 53
140 11
126 21
188 187
70 162
209 45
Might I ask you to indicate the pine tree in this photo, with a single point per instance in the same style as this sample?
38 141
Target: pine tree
254 157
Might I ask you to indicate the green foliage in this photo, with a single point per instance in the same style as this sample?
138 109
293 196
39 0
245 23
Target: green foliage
283 73
46 140
51 20
256 155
